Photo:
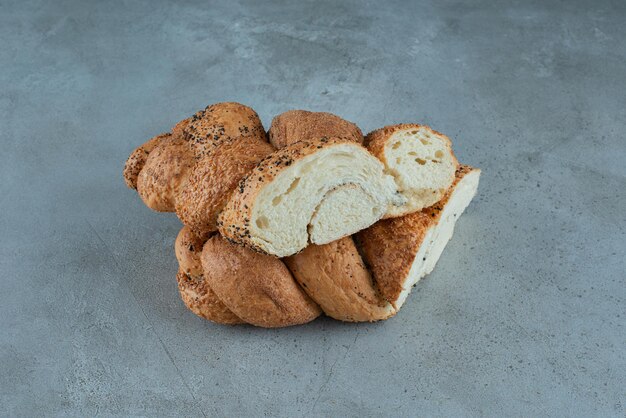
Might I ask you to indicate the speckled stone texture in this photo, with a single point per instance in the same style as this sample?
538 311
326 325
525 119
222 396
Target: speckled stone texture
524 314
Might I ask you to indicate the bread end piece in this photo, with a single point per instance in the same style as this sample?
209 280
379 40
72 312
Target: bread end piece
164 174
400 251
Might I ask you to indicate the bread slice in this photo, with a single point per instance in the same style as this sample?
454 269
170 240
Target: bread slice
400 251
212 180
275 203
258 288
194 290
420 160
302 125
336 278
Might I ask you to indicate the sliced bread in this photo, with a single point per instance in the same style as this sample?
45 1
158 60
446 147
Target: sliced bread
281 200
419 159
400 251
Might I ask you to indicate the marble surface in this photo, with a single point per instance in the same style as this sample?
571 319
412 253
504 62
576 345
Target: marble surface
524 314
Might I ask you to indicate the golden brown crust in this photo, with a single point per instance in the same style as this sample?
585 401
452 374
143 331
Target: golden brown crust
164 173
212 181
138 157
188 247
178 130
221 122
389 246
234 221
302 125
258 288
336 278
201 300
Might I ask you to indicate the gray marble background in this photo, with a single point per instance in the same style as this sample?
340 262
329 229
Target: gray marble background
524 314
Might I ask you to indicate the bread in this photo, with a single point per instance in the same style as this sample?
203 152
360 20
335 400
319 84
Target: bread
302 125
335 277
273 210
257 288
245 204
138 157
212 181
160 168
188 248
420 160
164 174
178 130
202 301
400 251
194 290
222 122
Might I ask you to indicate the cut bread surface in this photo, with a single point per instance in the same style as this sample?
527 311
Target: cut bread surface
283 198
419 159
349 202
400 251
441 232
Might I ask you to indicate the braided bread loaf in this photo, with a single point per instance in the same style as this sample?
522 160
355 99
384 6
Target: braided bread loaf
302 202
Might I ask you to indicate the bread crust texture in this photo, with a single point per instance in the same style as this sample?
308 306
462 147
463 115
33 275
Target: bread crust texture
195 292
137 159
164 174
302 125
202 301
389 247
212 181
257 288
336 278
220 122
188 248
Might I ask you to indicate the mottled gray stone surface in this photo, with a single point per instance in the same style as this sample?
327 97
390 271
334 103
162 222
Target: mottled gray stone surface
524 314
